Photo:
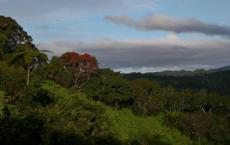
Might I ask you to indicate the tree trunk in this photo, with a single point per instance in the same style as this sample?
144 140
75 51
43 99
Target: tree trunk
76 81
86 81
28 76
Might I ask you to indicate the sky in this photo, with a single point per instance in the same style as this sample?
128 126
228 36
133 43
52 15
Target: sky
130 35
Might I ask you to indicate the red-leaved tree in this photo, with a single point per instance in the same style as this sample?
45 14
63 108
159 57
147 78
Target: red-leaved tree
81 66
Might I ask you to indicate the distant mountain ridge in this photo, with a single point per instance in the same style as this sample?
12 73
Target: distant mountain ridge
182 73
190 73
224 68
215 80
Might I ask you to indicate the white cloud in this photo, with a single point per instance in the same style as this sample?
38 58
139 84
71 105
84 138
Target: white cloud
169 52
168 23
163 68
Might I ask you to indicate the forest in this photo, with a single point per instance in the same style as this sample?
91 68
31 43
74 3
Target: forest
70 100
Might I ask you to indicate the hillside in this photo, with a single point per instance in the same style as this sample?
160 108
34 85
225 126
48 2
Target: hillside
70 100
217 82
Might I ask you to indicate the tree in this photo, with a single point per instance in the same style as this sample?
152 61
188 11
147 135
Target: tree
55 72
149 87
12 79
13 34
110 88
16 46
3 39
81 66
29 57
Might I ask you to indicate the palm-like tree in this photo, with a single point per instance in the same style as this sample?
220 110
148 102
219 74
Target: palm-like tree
29 57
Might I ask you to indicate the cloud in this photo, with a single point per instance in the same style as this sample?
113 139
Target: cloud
169 52
167 23
163 68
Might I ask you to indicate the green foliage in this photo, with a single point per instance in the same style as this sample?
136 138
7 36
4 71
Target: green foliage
7 108
70 117
21 130
130 128
16 46
150 87
146 101
204 127
12 34
110 88
12 79
26 54
3 40
217 82
53 71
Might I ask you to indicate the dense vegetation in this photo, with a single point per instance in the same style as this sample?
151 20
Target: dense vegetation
217 81
68 100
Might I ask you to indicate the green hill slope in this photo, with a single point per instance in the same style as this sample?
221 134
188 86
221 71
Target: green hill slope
128 127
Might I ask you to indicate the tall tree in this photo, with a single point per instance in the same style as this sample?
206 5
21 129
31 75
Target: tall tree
82 67
13 34
16 46
29 57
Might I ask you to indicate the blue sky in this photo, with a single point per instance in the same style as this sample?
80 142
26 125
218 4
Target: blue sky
200 28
